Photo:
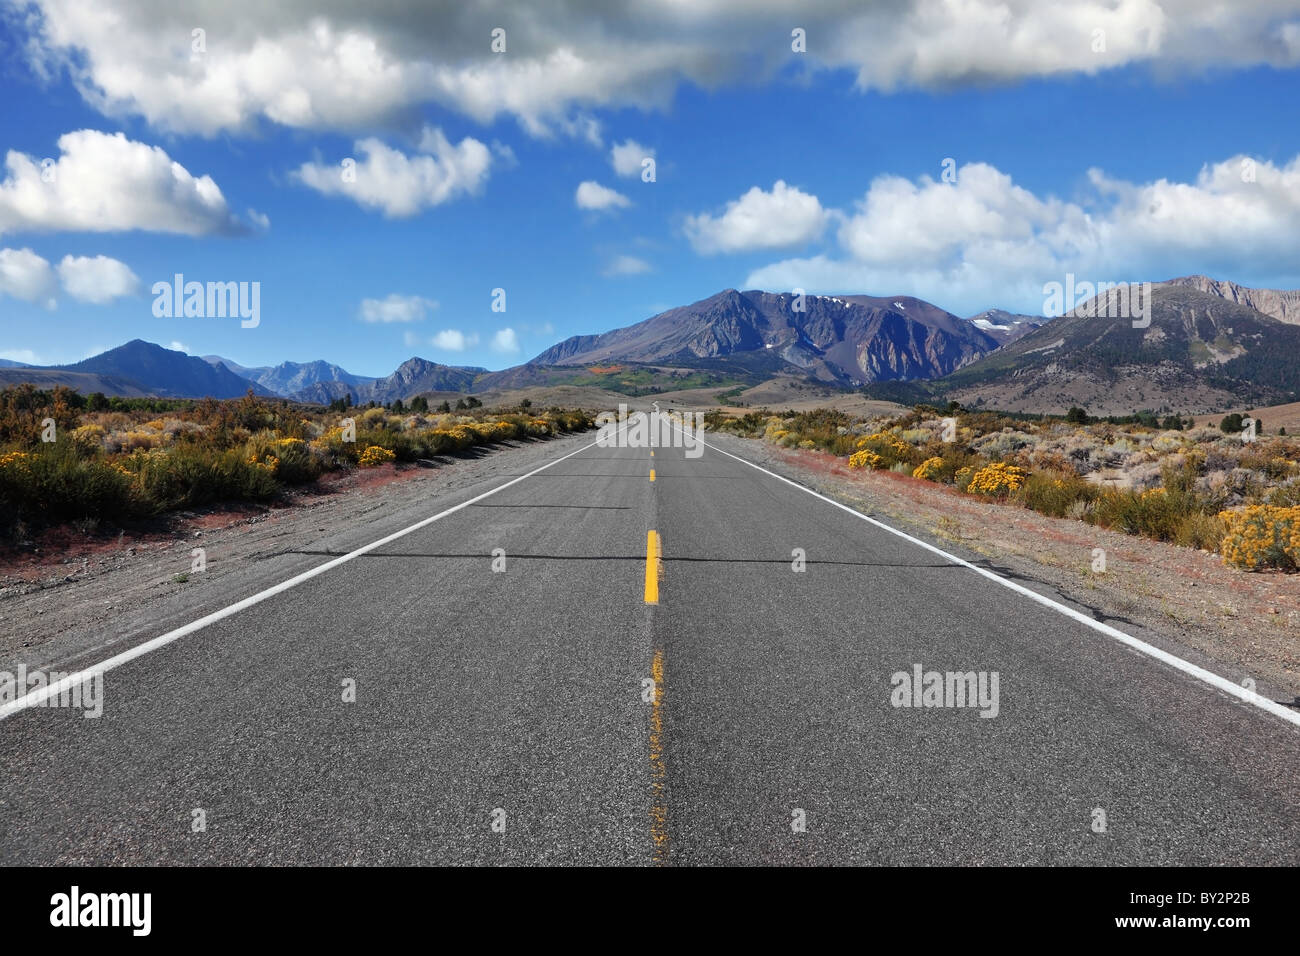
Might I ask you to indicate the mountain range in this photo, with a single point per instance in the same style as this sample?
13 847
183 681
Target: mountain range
1204 349
1210 344
839 340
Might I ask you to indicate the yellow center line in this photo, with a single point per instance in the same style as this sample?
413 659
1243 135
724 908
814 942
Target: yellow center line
658 769
652 474
653 552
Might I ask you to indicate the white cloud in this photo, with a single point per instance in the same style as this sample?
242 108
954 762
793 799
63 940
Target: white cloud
26 356
584 127
97 280
402 185
592 195
396 308
178 346
108 183
785 216
984 240
626 157
454 340
627 266
27 276
333 64
505 341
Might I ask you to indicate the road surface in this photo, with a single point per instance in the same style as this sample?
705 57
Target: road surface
549 713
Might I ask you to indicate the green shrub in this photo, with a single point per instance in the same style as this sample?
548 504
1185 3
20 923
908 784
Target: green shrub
1204 531
53 483
189 476
1055 495
1157 512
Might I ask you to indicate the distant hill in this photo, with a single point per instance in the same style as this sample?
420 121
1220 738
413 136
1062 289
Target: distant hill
165 373
413 377
847 340
289 378
83 382
1201 352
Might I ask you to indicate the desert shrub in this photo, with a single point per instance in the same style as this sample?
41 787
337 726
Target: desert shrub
1157 512
866 459
1260 536
1002 443
888 447
294 463
930 469
1285 495
24 408
332 449
404 446
54 483
1198 530
374 455
88 439
1055 496
996 480
188 476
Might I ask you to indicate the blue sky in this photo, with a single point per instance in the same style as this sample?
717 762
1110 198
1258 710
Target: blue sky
772 169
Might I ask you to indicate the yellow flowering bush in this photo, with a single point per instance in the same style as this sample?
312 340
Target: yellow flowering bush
998 478
89 438
884 444
374 456
289 459
866 459
1262 536
928 469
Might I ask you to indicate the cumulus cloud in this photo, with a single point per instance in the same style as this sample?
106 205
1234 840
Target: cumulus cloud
505 341
454 340
783 217
626 157
592 195
339 65
401 185
984 240
27 276
97 280
627 266
396 308
105 182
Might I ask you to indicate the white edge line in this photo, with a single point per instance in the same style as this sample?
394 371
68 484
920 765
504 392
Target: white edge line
1200 673
36 697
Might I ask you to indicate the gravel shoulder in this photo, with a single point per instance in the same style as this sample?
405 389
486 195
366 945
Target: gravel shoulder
1242 625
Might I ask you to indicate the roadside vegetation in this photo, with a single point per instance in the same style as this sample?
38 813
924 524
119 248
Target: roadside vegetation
1201 487
114 460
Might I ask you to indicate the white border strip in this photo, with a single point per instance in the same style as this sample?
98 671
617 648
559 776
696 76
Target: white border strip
1200 673
36 697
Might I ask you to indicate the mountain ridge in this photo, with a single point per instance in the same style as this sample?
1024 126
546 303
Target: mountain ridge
1210 343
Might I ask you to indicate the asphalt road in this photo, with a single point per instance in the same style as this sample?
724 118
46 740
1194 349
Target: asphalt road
508 717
